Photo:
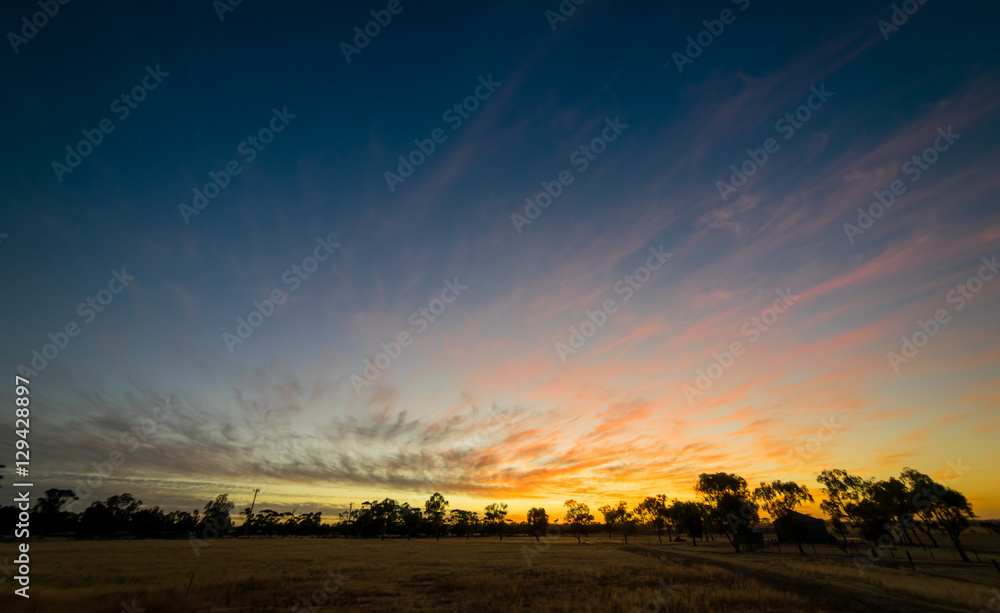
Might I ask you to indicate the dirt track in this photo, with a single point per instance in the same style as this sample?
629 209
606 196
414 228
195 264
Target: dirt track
827 596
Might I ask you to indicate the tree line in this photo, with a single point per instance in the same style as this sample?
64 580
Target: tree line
884 512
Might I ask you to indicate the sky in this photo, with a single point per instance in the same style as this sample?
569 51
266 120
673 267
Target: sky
498 251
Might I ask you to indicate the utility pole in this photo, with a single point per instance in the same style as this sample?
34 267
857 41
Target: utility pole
250 514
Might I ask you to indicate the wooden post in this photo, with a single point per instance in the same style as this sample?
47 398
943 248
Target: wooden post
246 532
910 558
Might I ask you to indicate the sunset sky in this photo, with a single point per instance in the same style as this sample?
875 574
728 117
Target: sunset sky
494 397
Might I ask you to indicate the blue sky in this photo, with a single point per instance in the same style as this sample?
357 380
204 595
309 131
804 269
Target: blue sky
611 421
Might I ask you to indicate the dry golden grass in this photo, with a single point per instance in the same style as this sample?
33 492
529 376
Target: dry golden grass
395 575
451 575
940 579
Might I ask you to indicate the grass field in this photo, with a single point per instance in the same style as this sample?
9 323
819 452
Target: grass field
480 575
939 581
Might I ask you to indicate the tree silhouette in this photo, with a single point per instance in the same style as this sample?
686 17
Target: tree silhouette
122 507
610 515
387 515
412 518
496 516
97 520
628 521
880 509
653 511
917 482
53 501
872 505
538 521
952 511
780 498
687 515
891 498
248 520
620 516
50 516
843 494
732 510
434 510
217 512
464 522
579 518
